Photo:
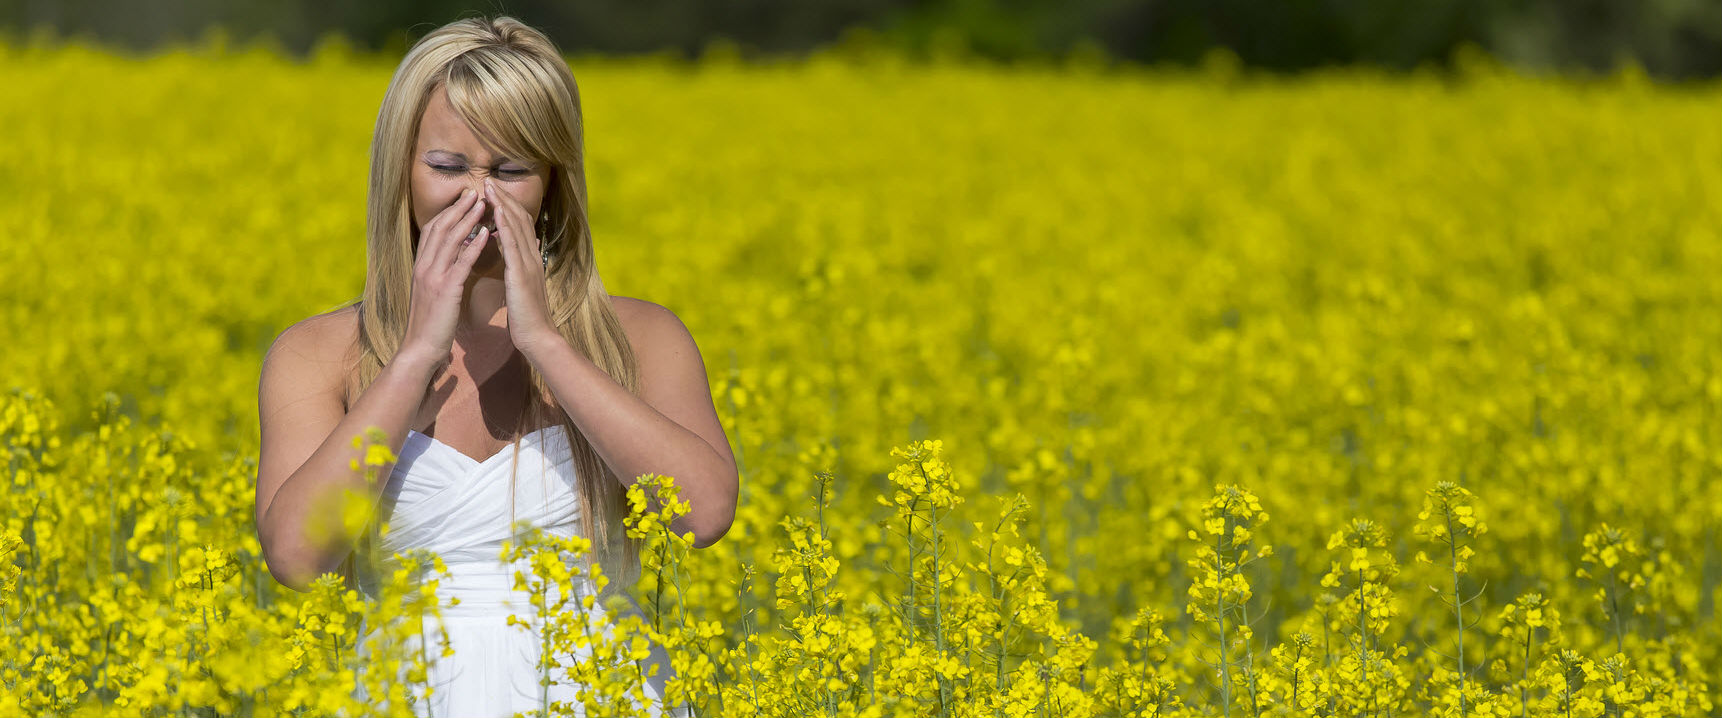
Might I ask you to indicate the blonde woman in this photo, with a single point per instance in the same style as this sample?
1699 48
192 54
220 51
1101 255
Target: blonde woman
510 384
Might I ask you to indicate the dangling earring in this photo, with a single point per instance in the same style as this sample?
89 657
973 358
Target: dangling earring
543 242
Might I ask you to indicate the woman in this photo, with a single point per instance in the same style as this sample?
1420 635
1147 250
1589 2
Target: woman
481 328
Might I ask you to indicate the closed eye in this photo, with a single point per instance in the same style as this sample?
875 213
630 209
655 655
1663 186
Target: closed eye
446 169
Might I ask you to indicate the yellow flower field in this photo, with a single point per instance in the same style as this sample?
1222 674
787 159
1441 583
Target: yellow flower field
1055 391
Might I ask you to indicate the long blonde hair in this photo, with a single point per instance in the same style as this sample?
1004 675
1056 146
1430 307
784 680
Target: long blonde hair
514 89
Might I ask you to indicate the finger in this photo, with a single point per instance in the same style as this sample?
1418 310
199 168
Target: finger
528 234
509 213
454 235
508 207
536 245
469 253
505 242
504 224
431 232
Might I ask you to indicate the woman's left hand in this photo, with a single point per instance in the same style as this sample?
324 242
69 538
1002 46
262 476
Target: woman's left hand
523 271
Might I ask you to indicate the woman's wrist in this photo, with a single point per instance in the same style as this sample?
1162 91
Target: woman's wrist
537 344
414 363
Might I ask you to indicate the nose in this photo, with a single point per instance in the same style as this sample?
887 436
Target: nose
477 188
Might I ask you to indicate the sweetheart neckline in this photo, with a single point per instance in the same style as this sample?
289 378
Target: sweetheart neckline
476 462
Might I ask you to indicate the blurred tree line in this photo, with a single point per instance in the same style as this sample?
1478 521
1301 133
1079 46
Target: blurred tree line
1676 39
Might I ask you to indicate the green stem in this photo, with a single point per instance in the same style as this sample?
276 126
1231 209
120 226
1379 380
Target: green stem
658 593
424 656
1220 603
999 599
1458 606
938 619
743 592
911 615
872 667
1525 679
544 645
1614 609
1363 632
1326 640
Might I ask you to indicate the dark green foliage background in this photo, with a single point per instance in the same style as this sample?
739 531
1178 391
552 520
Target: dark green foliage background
1674 39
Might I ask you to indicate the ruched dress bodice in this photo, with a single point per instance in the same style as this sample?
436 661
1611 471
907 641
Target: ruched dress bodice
447 502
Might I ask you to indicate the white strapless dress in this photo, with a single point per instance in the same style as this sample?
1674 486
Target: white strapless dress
442 500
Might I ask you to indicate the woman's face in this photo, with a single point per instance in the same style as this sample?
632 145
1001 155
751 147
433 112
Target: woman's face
450 158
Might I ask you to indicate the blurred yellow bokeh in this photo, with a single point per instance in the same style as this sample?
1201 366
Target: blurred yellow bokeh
1140 311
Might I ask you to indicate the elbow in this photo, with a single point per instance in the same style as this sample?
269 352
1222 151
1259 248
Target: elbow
291 581
704 539
717 524
286 566
283 572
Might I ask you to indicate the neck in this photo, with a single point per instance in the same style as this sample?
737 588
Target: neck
482 303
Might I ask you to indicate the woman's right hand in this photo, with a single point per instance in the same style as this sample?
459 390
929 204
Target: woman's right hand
439 277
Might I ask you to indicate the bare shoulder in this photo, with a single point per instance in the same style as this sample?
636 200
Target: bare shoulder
647 323
629 307
322 337
316 350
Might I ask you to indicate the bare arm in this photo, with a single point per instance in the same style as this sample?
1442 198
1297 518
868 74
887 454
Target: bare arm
307 441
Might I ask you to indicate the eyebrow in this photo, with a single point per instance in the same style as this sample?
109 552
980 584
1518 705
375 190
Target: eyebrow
463 157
